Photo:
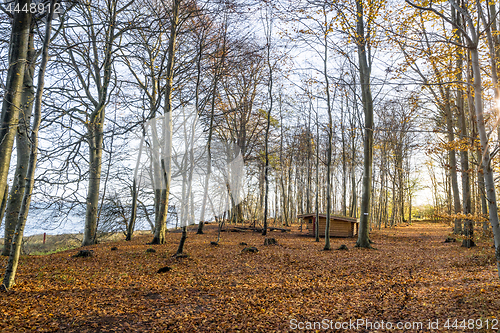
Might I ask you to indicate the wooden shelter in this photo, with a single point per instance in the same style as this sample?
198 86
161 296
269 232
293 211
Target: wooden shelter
340 226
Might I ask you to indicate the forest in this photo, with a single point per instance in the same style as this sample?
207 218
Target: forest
249 165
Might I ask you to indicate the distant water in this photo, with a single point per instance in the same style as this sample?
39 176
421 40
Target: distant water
53 221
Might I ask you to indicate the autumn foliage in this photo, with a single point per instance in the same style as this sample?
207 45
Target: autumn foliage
412 275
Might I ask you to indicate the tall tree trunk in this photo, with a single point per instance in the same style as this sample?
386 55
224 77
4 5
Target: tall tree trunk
464 159
209 158
399 159
22 149
344 160
95 130
468 229
453 165
133 214
289 191
479 155
95 138
364 74
492 38
316 226
329 144
10 271
284 197
354 200
394 201
210 130
18 53
488 171
166 161
135 189
268 29
409 204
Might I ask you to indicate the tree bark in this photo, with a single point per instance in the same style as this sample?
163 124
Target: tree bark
133 214
95 139
166 163
180 249
488 171
95 125
344 162
468 227
364 73
316 226
10 271
329 144
22 148
209 159
4 203
453 165
18 53
268 125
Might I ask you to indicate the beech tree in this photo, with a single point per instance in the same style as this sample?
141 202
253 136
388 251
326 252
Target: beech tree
22 145
12 101
471 33
10 271
366 95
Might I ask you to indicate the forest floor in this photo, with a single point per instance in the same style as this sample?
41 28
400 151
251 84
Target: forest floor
411 277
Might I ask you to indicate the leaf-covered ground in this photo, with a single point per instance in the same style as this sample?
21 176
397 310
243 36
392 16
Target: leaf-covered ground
411 277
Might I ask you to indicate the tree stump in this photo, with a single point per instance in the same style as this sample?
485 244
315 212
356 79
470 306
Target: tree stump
270 241
164 269
84 254
251 249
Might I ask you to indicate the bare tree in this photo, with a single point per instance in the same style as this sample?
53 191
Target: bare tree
12 101
10 271
364 74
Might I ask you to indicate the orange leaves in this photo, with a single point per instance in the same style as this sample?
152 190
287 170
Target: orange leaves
457 144
412 275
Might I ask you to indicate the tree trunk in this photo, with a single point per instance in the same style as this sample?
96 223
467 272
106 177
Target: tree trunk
453 165
18 53
4 203
344 161
95 139
474 137
329 145
166 160
316 227
354 200
209 160
95 130
492 39
364 73
22 149
393 210
210 130
133 214
268 126
464 154
180 249
488 172
10 271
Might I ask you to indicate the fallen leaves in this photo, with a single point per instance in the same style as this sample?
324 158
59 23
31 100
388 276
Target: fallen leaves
412 275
